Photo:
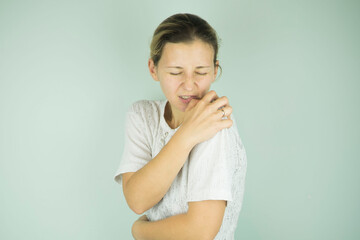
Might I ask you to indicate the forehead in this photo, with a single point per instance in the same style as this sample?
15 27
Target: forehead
196 52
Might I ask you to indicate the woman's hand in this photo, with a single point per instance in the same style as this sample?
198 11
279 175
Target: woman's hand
205 117
137 225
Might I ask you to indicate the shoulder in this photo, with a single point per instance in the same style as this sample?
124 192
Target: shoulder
145 112
145 107
226 144
227 136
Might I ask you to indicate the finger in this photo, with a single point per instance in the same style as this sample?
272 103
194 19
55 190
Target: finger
210 96
223 112
192 104
228 110
226 123
220 102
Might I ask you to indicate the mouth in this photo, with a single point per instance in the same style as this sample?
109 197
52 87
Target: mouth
187 98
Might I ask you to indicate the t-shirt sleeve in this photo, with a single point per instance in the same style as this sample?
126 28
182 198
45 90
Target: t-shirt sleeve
137 151
211 168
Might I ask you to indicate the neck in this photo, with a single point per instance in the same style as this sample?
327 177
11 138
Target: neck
173 117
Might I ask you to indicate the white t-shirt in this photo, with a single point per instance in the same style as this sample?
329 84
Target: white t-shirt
215 169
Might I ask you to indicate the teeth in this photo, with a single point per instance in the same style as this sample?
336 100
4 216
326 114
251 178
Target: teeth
185 97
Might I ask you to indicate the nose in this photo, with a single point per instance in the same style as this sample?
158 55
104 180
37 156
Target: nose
188 83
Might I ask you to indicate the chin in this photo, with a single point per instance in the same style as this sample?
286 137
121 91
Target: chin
178 106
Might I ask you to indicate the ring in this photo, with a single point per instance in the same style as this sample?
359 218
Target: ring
223 112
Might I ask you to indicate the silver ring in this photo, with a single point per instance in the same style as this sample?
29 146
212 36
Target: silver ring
223 112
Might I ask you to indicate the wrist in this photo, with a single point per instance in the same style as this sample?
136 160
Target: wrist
184 139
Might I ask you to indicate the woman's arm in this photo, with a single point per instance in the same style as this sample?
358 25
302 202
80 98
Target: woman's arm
202 221
146 187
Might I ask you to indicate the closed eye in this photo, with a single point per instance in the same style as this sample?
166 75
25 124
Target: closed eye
201 73
175 73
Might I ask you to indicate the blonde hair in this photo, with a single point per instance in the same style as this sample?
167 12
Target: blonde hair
182 27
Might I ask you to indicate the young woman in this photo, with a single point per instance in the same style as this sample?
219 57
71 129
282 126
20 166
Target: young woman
183 163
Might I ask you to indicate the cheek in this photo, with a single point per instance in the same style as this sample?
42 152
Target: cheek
168 86
205 83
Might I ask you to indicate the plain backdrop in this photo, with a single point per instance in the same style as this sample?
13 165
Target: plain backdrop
70 69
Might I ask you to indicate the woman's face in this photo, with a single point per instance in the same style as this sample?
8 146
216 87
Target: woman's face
185 71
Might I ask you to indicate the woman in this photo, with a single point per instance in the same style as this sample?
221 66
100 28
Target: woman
183 164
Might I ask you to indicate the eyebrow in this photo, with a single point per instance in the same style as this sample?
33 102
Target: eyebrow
198 67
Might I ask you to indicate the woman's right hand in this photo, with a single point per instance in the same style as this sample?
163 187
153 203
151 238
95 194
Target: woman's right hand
204 118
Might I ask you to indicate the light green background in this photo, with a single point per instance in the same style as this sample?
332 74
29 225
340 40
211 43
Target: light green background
70 69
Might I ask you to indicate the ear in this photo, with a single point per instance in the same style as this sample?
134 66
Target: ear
216 69
152 69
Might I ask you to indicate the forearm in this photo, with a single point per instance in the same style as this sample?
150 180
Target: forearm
202 222
176 227
147 186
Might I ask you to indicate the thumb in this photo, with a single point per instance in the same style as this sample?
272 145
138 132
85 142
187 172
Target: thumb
192 104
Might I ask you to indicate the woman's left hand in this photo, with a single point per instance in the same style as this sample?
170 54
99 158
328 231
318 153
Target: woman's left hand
137 226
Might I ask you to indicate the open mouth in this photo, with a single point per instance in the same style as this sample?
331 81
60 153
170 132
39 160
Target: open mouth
185 97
